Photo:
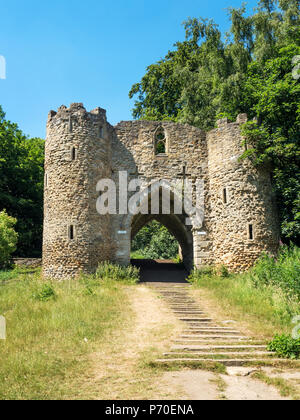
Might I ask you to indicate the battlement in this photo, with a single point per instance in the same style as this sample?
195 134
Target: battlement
76 110
241 119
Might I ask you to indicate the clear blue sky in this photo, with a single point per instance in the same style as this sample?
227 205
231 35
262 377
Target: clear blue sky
64 51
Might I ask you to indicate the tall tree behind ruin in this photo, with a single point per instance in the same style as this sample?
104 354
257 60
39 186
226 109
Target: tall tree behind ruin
210 75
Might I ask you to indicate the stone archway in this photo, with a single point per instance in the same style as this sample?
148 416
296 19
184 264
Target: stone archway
175 223
175 226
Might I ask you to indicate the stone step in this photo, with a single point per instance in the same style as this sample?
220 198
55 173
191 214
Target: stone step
187 307
175 292
164 286
212 338
211 335
227 362
221 354
210 328
189 312
194 319
226 347
210 331
185 310
201 324
172 288
180 301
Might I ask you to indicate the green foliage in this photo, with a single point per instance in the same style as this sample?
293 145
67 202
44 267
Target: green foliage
198 274
8 238
112 272
49 341
207 272
44 293
269 291
154 241
209 76
272 95
21 184
282 272
223 271
285 346
160 148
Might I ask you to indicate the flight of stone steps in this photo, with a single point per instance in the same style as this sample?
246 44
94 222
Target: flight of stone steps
203 340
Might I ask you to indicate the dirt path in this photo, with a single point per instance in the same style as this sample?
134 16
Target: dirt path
201 385
121 369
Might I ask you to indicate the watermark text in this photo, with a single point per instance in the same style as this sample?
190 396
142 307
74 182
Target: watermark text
2 67
2 328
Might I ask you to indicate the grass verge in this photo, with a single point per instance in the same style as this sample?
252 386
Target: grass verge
284 387
266 301
52 329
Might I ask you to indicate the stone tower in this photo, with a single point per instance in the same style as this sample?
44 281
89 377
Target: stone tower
77 155
82 148
243 217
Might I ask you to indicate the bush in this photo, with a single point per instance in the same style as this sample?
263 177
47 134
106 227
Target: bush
197 275
108 271
285 347
207 272
154 241
268 293
282 272
44 293
8 238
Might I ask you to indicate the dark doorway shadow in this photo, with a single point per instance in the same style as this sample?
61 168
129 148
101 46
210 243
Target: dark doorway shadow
160 271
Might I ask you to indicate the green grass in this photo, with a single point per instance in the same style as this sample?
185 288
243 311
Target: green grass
136 255
284 387
49 335
117 273
266 296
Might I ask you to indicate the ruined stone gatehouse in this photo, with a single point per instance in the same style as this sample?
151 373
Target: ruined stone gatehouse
240 220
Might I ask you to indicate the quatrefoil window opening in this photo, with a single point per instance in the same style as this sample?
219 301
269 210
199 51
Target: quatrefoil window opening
160 141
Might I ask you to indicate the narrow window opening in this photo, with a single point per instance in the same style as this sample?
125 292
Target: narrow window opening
160 148
73 153
71 232
46 180
101 132
225 197
251 232
160 142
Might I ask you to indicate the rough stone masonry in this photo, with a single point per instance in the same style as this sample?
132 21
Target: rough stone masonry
82 148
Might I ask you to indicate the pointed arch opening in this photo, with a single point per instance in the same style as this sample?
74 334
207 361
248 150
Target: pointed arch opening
170 229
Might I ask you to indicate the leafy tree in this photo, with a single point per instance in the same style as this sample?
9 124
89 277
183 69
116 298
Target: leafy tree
210 75
8 238
154 241
21 184
272 95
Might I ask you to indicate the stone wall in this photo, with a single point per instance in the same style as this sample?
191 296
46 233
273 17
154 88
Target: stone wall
27 262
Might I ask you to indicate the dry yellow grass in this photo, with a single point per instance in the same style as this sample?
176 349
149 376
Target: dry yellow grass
119 368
